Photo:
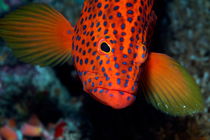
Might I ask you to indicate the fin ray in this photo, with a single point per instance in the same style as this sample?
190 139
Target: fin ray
43 56
28 29
168 87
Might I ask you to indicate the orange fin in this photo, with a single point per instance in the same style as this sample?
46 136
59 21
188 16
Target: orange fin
38 34
169 87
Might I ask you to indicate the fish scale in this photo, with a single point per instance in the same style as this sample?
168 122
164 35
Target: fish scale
124 34
109 46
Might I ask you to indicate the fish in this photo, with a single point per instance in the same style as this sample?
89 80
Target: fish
110 48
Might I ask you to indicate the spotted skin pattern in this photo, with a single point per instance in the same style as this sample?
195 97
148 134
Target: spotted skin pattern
125 26
109 48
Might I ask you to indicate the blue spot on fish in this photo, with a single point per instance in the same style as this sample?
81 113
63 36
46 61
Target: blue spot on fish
101 91
111 95
107 78
110 84
118 81
122 93
89 80
68 32
130 69
117 73
116 66
133 88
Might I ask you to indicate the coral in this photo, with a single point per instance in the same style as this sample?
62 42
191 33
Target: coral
31 88
6 5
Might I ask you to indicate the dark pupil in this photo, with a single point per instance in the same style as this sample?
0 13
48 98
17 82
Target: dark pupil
105 47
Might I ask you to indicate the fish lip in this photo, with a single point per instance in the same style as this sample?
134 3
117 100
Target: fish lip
131 89
131 93
113 98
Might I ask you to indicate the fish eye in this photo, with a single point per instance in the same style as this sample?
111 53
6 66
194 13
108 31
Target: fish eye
104 47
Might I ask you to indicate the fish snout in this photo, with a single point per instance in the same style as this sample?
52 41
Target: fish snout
113 98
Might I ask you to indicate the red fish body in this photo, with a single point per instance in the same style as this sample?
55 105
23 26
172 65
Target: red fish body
121 27
109 48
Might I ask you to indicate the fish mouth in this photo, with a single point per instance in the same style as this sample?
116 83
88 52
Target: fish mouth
92 80
116 99
110 91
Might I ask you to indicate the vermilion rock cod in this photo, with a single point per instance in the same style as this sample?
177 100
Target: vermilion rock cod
109 47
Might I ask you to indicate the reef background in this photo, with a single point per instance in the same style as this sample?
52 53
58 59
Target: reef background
182 31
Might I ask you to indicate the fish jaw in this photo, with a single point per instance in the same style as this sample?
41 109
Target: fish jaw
113 98
113 91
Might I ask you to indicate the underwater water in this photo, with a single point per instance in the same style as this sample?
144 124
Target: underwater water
51 101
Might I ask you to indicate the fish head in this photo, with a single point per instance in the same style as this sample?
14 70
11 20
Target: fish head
109 49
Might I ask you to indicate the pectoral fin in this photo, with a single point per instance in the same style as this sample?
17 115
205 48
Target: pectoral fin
169 87
38 34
